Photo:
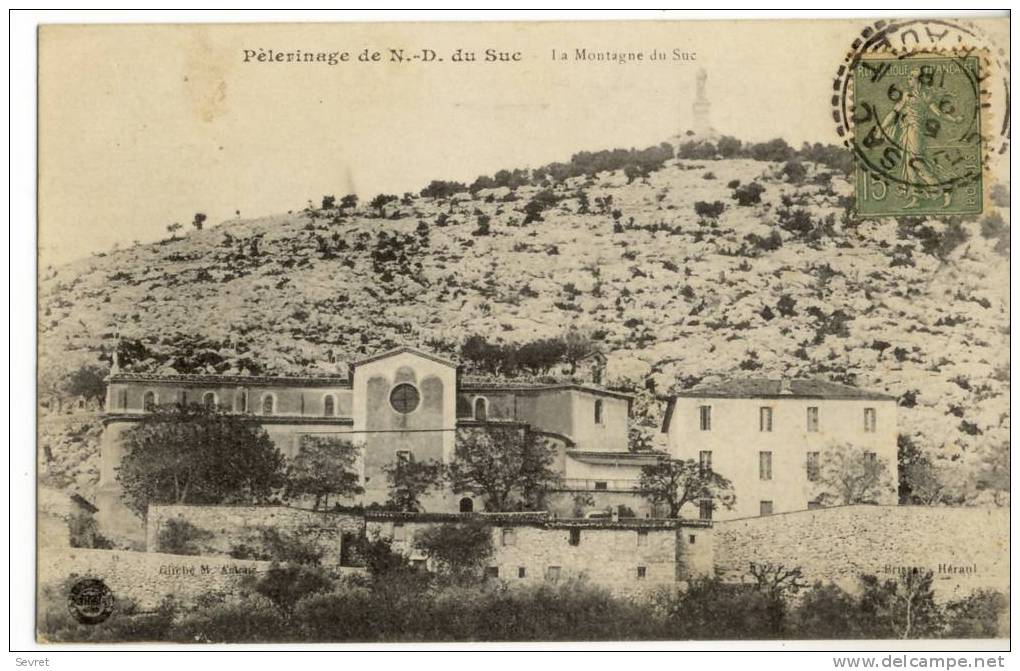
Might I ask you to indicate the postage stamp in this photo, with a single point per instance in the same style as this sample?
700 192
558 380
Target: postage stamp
917 134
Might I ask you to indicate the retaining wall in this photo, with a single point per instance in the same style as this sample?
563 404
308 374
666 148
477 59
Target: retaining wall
965 548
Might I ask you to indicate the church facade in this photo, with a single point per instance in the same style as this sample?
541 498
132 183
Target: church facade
400 404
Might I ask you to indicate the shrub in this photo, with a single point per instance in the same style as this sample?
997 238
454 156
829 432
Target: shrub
709 210
285 585
733 183
181 537
249 620
776 150
292 548
769 243
708 175
729 147
981 614
749 194
797 221
1000 195
794 171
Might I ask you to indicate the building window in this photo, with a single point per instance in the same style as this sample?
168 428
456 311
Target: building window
123 398
404 456
481 409
575 536
552 573
814 505
869 420
404 398
329 406
642 538
241 401
705 508
705 460
765 419
765 465
268 404
599 419
870 457
509 537
491 571
149 401
812 419
641 572
765 508
705 415
601 485
467 505
522 572
813 466
209 400
691 538
398 532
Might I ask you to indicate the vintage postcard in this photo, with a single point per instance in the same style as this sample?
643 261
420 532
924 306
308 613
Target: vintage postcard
524 331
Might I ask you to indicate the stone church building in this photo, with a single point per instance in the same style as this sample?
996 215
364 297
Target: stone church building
400 404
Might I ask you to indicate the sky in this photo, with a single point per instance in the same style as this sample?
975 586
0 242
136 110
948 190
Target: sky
143 126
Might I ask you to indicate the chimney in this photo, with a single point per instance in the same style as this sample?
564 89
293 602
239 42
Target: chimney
784 386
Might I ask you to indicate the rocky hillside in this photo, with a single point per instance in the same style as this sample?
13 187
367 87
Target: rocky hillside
681 274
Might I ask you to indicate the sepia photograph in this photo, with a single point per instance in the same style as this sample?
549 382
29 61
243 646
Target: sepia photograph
495 331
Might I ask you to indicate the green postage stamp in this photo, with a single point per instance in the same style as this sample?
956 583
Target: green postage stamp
917 135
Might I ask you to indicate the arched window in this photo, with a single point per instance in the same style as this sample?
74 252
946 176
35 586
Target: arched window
209 400
481 409
241 401
268 404
467 505
598 412
329 406
149 401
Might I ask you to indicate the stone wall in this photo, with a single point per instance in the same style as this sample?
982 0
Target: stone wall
230 526
966 548
143 577
607 553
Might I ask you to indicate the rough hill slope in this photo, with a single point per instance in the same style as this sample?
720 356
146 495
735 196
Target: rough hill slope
786 285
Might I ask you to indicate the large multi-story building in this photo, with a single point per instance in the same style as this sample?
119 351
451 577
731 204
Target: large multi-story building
766 436
400 404
769 437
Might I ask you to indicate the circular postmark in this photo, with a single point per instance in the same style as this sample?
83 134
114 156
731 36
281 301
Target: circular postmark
90 600
912 100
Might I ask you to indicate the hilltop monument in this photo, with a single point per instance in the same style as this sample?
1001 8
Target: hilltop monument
701 107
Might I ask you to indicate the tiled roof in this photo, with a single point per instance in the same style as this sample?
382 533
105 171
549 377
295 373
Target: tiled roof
206 379
770 388
401 350
538 387
542 518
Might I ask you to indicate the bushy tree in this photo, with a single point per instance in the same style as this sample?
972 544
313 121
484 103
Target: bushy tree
677 482
410 480
849 475
459 549
198 221
88 381
709 210
193 454
509 466
441 189
380 202
748 194
323 467
349 201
